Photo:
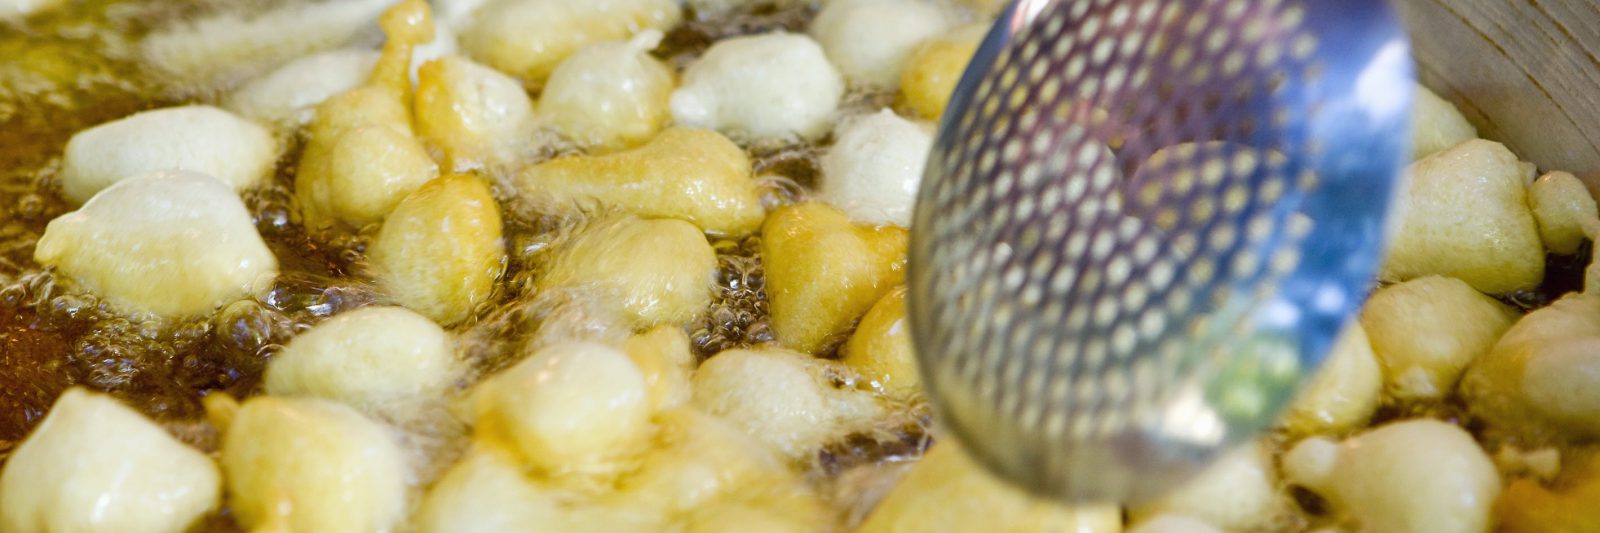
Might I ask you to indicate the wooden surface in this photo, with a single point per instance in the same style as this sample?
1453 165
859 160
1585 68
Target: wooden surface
1526 72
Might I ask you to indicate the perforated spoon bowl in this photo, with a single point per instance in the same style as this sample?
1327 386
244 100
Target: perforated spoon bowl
1143 224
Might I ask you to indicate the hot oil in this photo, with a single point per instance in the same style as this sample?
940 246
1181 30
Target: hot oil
52 337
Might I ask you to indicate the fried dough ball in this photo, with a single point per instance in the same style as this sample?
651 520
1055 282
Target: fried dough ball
220 50
769 86
487 492
440 251
663 357
362 156
529 38
287 98
1436 125
610 94
475 114
308 464
880 349
658 270
196 138
1426 331
1418 475
823 272
172 243
947 492
1238 492
689 174
870 40
1565 211
698 458
380 360
934 68
1527 507
1537 381
1344 392
571 409
781 398
94 464
1464 214
874 167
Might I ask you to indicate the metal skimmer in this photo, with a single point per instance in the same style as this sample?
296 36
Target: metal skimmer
1144 222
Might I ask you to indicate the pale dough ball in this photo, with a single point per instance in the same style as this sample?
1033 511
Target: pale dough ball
699 458
691 174
869 40
1238 492
569 408
170 243
609 94
528 38
1418 475
287 98
231 46
779 397
196 138
440 251
1565 211
94 464
1464 214
946 492
308 464
1426 331
824 272
486 492
1344 392
475 114
774 85
658 270
1436 125
380 360
1534 384
874 167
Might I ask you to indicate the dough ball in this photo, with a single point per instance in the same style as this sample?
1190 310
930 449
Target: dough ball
663 357
1464 214
874 167
1238 492
931 73
383 361
823 272
781 398
689 174
870 40
570 408
196 138
610 94
1345 391
659 270
1565 211
475 114
528 38
880 349
1418 475
947 492
94 464
1426 331
774 85
171 243
287 98
1436 125
440 251
307 464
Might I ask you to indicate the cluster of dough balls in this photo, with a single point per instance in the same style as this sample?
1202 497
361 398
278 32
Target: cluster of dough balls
632 433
